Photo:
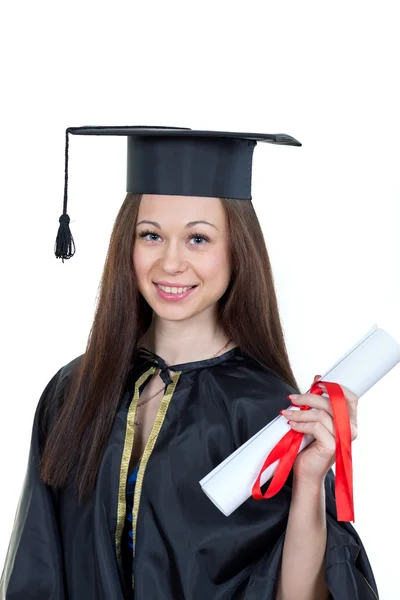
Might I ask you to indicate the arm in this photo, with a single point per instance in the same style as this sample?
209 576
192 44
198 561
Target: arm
33 565
302 575
347 570
310 470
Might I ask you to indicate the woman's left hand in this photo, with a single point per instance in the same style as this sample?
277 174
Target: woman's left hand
314 461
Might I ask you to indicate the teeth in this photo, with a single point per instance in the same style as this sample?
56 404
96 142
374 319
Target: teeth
174 290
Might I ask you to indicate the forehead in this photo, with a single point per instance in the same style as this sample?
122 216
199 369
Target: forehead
173 209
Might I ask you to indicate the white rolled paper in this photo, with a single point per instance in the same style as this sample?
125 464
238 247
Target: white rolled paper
231 482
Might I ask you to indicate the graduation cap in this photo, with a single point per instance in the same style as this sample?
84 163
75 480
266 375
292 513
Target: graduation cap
178 161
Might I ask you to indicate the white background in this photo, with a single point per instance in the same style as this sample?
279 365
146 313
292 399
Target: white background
326 74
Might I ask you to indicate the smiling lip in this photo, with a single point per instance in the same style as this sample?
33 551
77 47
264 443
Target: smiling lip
168 284
174 297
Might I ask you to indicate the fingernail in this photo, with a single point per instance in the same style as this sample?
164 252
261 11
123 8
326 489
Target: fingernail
287 412
293 396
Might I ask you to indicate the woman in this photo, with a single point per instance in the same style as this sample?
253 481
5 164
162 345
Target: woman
171 383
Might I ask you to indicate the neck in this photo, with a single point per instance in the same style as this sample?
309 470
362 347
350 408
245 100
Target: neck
184 341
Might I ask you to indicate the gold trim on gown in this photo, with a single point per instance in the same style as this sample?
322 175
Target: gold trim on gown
126 456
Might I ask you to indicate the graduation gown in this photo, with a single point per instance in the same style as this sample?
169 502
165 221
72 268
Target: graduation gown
184 547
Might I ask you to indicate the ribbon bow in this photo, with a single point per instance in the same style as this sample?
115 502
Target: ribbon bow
287 448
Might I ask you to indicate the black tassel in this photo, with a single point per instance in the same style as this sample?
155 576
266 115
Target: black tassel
65 245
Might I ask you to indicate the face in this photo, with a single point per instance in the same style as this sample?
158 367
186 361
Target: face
174 249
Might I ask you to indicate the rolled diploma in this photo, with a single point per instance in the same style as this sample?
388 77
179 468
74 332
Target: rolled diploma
231 482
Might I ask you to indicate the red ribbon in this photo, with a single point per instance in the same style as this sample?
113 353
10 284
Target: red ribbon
287 448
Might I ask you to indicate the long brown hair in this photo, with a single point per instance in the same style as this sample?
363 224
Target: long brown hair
83 423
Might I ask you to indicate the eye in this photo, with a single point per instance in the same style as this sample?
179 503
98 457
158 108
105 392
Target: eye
199 236
196 236
144 234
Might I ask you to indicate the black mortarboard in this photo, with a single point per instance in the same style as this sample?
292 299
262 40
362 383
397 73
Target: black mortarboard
178 161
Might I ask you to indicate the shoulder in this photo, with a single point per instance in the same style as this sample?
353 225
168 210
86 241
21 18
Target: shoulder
53 394
252 394
245 377
62 378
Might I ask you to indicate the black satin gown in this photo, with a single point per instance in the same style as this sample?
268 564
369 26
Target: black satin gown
184 547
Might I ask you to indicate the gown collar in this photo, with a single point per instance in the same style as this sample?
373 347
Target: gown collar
148 356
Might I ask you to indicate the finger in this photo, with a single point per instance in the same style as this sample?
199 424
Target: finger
319 431
313 400
311 416
303 416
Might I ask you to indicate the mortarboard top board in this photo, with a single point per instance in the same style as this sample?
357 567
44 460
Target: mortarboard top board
177 161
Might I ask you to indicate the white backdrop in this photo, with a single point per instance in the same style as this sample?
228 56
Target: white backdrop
325 74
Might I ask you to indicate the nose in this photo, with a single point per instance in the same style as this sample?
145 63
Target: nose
172 258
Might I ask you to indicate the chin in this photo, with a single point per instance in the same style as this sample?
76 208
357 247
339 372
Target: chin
174 313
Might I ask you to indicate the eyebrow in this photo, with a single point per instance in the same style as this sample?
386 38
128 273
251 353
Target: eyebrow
191 224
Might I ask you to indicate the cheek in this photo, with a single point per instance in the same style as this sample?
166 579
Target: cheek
140 260
140 266
216 268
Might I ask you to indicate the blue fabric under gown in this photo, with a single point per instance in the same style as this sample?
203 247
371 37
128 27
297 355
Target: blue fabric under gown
127 539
